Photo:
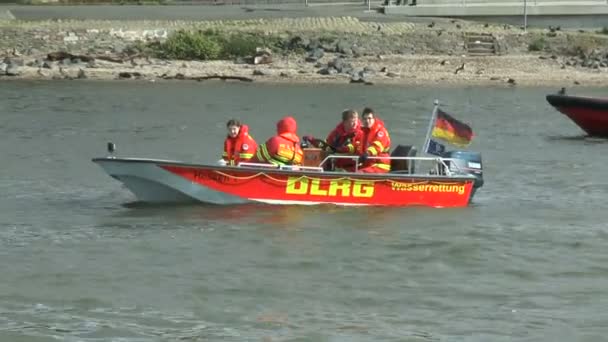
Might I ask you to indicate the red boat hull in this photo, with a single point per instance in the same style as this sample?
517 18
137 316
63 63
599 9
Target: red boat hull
171 181
590 114
297 188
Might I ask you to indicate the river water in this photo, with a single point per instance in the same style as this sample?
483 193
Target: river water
81 262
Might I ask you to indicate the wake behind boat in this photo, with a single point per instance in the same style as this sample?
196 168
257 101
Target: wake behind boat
447 179
589 113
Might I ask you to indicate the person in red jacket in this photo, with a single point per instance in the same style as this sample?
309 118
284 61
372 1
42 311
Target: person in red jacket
284 148
376 143
346 138
239 146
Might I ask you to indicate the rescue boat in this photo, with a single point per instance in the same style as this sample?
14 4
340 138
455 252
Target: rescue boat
589 113
448 181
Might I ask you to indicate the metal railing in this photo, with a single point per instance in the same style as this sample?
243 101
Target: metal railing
438 165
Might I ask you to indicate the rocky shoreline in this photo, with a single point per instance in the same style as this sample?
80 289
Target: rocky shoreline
317 50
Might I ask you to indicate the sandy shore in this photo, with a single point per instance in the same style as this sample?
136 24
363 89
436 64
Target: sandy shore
508 70
401 53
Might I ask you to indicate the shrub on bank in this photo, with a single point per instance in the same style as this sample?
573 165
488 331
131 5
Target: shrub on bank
537 44
210 44
188 45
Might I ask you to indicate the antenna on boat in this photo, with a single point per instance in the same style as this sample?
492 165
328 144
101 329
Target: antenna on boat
111 148
562 91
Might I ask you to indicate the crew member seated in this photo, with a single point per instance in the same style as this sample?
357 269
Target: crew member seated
345 139
282 149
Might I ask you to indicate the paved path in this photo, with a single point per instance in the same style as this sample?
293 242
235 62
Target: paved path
226 12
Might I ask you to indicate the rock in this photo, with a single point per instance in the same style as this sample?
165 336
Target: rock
494 78
357 52
369 69
356 79
259 72
262 51
47 65
66 61
392 74
81 74
577 82
261 59
240 60
340 65
336 63
118 48
15 61
12 70
315 55
3 67
383 69
127 75
328 71
284 74
344 48
511 81
91 64
298 42
315 44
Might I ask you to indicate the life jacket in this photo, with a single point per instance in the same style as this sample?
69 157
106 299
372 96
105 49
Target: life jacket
377 143
240 148
347 142
284 148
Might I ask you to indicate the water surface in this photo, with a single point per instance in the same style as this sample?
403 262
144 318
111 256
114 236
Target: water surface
81 262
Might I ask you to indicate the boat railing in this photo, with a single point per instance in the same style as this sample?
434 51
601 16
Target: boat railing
282 167
438 165
430 165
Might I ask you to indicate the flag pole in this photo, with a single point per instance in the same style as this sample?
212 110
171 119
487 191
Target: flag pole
430 129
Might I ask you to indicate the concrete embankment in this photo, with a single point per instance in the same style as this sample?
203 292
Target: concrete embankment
538 13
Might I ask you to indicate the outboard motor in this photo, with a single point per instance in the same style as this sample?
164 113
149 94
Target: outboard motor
467 162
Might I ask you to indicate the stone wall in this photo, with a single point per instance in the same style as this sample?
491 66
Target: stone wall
113 37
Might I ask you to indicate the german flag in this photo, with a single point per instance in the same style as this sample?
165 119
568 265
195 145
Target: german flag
451 130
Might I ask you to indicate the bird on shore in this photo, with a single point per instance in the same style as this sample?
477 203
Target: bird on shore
460 68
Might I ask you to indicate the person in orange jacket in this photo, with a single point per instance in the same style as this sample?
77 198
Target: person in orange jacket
376 143
239 146
345 139
284 148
